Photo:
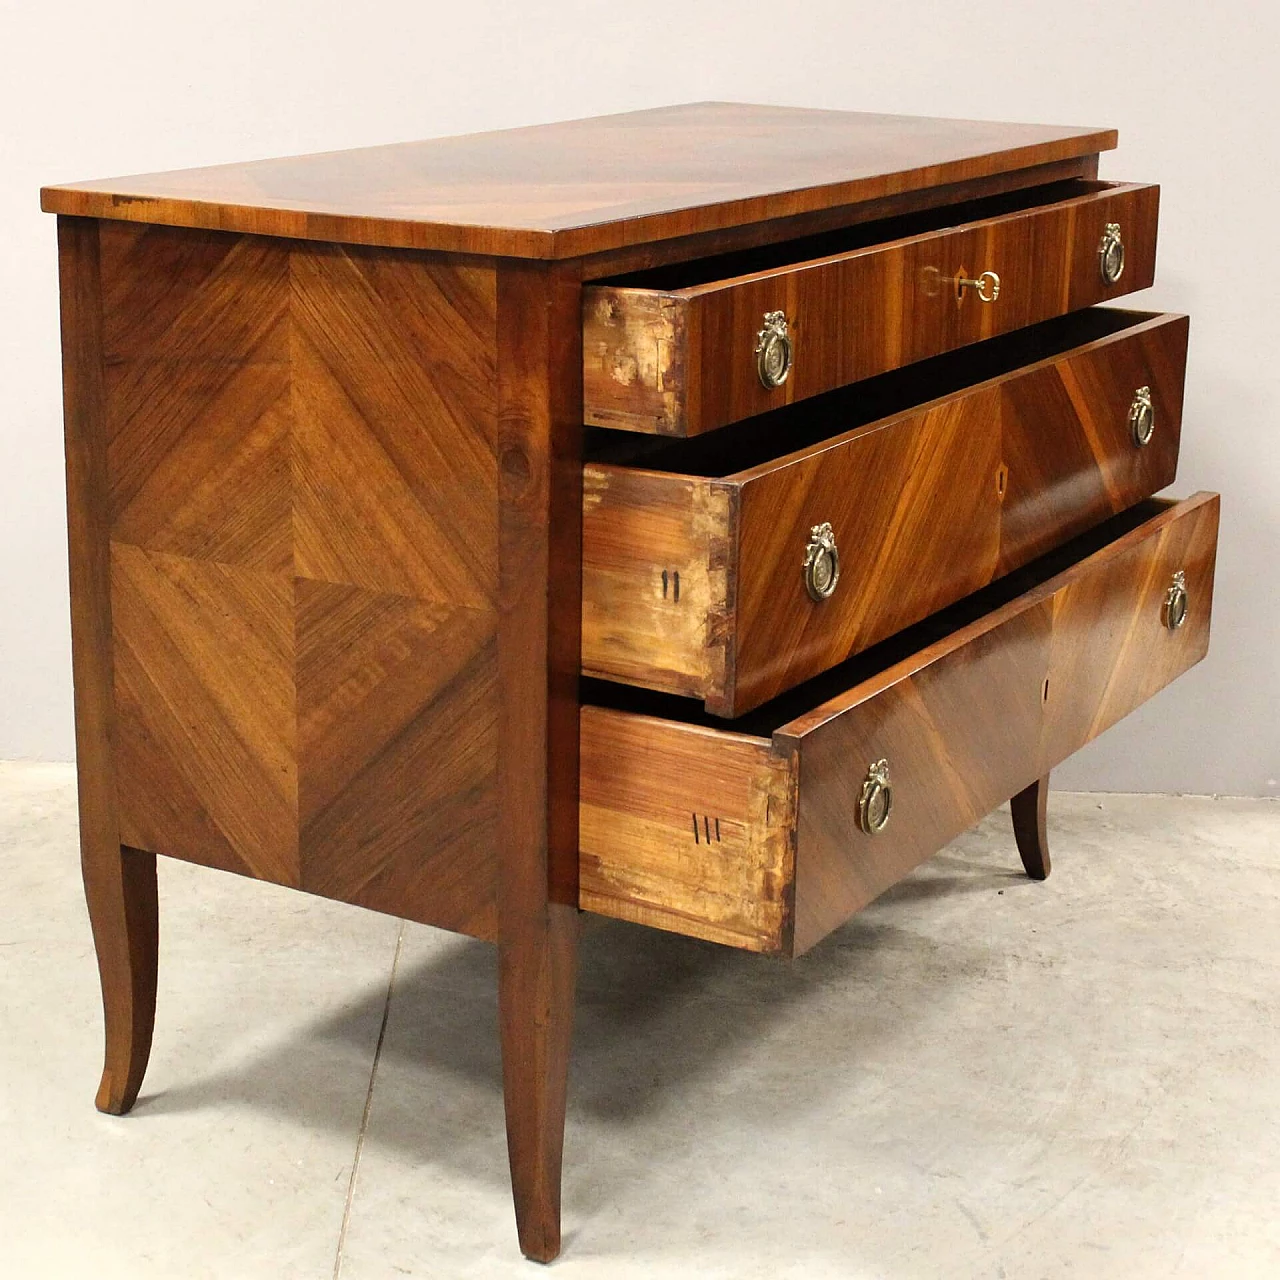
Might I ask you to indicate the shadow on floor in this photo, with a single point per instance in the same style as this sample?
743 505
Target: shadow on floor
657 1016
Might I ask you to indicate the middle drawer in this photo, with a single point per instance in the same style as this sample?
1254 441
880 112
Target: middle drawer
714 569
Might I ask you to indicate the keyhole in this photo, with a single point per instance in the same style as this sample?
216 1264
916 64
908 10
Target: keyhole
1044 690
1002 481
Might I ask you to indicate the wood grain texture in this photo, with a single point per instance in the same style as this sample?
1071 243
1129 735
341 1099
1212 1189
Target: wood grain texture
984 480
583 186
682 361
302 482
656 563
120 883
1029 811
539 552
1076 408
753 235
685 828
1111 650
965 722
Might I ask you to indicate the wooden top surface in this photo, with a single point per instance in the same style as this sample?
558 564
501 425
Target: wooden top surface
583 186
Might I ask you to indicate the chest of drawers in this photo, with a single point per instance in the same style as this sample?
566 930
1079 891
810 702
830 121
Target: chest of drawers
697 516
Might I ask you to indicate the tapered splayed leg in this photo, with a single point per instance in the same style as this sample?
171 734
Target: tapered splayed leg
119 883
1029 810
539 658
120 887
535 1000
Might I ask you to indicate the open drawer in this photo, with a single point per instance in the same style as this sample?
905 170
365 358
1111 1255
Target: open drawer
768 836
683 349
699 573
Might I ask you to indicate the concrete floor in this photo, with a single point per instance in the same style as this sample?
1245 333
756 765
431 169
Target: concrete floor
977 1077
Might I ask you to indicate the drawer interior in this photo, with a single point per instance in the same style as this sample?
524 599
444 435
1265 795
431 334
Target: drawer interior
773 715
799 426
719 267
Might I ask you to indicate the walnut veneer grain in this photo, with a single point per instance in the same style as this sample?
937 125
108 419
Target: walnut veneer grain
753 839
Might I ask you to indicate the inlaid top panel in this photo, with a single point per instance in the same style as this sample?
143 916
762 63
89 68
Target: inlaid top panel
583 186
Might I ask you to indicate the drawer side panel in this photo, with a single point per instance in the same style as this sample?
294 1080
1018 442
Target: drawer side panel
655 579
685 829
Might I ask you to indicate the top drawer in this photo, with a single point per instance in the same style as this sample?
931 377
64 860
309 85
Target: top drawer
682 350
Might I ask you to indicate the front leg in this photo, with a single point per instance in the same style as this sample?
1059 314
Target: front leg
539 657
120 887
537 969
1029 809
119 883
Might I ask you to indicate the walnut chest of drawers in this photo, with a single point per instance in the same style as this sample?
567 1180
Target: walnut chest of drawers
698 516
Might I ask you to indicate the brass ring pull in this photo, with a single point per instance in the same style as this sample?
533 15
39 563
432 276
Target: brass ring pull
1142 417
1111 254
986 286
821 562
774 352
876 802
1177 602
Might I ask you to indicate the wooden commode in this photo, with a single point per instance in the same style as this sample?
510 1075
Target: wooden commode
697 516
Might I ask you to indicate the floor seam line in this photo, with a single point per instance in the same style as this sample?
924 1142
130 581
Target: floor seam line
368 1106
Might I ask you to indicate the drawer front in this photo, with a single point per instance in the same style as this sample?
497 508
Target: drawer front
924 508
684 361
758 841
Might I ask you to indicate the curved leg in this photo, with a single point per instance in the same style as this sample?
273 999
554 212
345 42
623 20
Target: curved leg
1029 827
119 883
120 886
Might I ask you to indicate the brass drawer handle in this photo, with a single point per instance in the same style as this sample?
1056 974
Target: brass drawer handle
876 802
821 562
1176 602
1142 417
986 286
774 353
1111 254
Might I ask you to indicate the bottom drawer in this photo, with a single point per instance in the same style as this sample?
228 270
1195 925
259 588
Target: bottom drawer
770 835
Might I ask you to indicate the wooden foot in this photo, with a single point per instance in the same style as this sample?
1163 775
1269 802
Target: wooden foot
120 886
1029 830
535 1002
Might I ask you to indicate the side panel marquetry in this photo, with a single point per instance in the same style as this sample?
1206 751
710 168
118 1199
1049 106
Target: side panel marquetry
302 486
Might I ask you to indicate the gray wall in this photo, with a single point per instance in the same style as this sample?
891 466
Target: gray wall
93 90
